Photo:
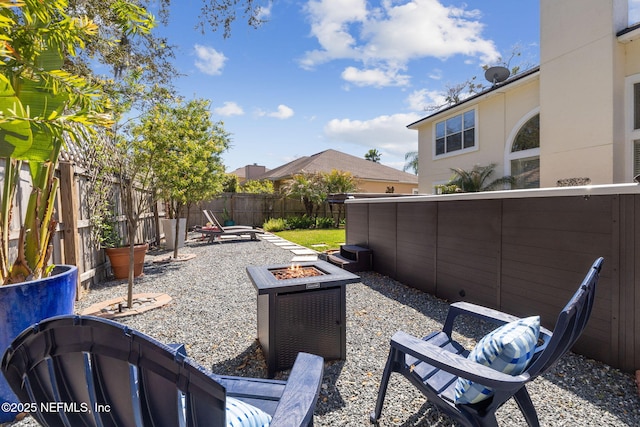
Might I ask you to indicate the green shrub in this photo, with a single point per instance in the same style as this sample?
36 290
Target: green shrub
300 222
325 222
257 186
274 224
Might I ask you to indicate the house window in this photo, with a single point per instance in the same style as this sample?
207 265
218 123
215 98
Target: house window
636 157
525 155
457 133
527 172
632 127
636 106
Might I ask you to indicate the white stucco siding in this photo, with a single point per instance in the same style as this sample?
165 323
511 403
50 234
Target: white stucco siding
497 115
631 70
577 83
583 91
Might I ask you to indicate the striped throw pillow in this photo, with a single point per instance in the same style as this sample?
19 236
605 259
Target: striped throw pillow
241 414
508 349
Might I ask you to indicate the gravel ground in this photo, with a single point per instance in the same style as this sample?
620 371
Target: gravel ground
214 313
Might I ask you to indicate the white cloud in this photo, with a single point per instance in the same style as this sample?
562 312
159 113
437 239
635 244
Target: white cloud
265 12
283 112
418 100
435 74
330 21
376 77
228 109
389 134
386 38
209 61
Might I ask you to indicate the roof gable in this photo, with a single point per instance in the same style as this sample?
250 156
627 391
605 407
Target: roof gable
502 85
328 160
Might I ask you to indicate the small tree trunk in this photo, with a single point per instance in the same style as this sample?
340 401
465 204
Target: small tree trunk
131 267
178 210
186 223
132 225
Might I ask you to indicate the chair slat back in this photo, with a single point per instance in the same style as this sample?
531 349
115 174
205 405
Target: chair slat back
212 219
570 324
123 377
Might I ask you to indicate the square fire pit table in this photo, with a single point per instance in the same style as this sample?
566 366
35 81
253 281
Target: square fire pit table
297 312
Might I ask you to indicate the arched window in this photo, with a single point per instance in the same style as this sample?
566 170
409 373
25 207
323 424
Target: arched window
524 157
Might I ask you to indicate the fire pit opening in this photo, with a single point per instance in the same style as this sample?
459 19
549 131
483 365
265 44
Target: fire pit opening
295 271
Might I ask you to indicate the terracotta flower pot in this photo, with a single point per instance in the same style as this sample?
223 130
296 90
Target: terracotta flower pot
119 258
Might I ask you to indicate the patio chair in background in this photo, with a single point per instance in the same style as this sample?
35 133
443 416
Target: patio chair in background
216 230
435 363
125 378
211 218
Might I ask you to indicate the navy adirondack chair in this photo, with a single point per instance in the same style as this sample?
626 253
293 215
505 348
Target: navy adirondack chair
106 374
434 363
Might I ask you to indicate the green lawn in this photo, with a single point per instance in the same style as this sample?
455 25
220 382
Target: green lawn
330 238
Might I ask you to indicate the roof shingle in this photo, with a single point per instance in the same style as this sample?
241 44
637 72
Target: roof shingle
326 161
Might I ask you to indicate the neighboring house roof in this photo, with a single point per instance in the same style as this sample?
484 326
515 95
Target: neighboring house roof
326 161
242 172
507 82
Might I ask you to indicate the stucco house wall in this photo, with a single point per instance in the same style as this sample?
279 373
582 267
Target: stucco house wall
583 91
499 115
579 71
365 186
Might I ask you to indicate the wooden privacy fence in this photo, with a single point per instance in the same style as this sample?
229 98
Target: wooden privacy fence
72 243
250 209
523 252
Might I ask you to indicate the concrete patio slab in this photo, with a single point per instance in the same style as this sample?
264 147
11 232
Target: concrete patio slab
304 258
304 251
270 237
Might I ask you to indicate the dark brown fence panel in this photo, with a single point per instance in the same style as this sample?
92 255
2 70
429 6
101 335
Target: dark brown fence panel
627 300
469 251
548 243
382 237
522 255
632 297
357 225
417 240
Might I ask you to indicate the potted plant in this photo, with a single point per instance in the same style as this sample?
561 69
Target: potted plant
40 104
227 221
118 252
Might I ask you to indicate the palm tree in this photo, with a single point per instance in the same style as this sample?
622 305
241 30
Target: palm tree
309 187
411 159
339 182
373 155
476 179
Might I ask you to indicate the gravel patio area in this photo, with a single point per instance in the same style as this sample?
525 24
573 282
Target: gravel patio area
214 313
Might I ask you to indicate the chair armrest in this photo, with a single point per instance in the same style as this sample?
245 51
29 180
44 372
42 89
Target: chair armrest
299 397
456 364
490 315
477 311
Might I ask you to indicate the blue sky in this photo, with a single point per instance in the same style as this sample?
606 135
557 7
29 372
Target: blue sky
343 74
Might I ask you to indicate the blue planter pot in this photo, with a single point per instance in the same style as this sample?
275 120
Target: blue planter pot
24 304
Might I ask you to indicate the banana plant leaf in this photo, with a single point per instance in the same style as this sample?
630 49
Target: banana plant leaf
16 137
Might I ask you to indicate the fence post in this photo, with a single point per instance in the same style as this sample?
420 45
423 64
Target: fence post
69 214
